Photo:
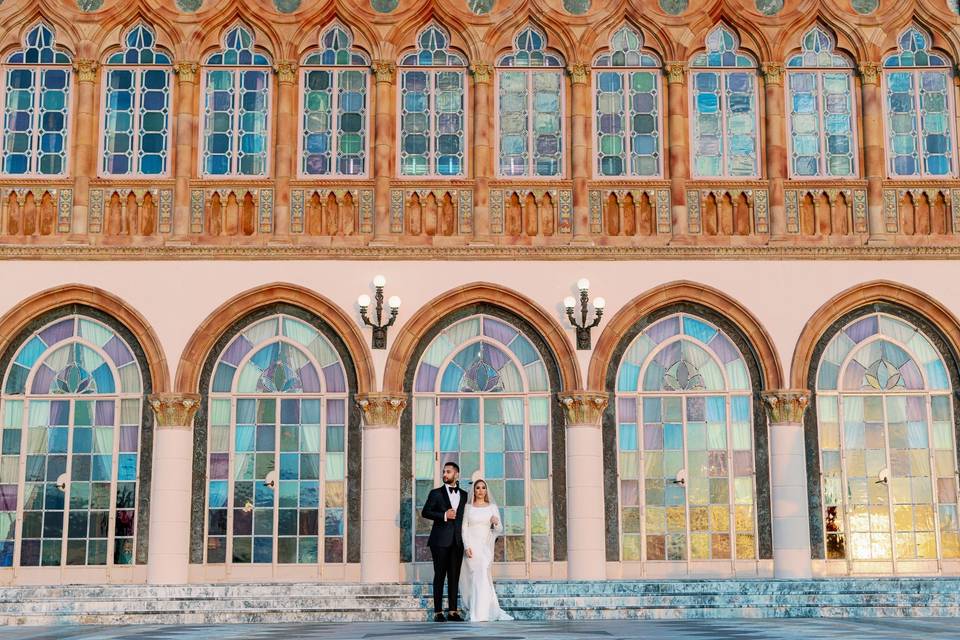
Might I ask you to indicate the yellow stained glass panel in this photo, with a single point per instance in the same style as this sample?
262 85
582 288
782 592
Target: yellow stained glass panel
743 518
950 545
631 547
859 519
903 518
631 520
676 519
699 519
856 463
656 520
719 518
906 547
860 545
880 547
629 465
879 519
745 547
923 514
334 494
700 546
927 546
829 436
721 545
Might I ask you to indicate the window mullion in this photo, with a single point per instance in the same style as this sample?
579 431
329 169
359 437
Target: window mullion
531 161
432 140
136 121
235 121
37 76
334 120
724 141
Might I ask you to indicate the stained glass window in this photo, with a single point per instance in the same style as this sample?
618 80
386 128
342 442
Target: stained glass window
36 103
628 90
725 123
530 105
335 87
820 85
276 475
236 101
887 451
137 108
919 109
482 400
432 107
69 463
684 405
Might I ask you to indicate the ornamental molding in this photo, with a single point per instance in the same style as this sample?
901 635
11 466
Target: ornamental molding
381 410
384 70
786 406
579 73
86 70
174 410
870 72
583 408
773 73
286 71
676 72
186 71
482 72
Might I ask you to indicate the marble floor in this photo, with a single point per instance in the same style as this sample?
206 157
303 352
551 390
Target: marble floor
789 629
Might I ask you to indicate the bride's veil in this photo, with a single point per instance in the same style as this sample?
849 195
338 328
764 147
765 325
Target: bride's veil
492 501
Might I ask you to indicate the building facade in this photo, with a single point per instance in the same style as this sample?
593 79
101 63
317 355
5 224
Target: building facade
196 197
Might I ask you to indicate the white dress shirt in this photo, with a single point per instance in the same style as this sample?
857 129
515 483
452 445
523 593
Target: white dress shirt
454 498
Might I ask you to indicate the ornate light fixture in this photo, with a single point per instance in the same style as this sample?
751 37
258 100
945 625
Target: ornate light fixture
583 329
380 327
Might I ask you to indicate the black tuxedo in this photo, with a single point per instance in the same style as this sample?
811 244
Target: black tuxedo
446 544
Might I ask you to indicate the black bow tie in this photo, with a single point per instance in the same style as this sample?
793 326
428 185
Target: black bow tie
452 489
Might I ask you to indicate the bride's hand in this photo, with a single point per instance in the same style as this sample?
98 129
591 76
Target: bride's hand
494 520
469 552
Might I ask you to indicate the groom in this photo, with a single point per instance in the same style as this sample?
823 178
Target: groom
445 507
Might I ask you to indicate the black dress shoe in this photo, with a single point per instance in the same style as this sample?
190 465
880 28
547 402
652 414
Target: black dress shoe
439 618
454 617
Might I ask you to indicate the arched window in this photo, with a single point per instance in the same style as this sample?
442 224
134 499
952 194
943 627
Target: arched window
628 104
137 121
820 90
236 103
685 444
725 121
433 121
530 108
919 109
276 474
37 101
885 422
482 400
335 81
69 470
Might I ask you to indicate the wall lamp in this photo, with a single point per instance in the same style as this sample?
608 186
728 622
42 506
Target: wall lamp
380 327
583 329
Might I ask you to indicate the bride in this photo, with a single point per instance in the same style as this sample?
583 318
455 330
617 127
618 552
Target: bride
481 526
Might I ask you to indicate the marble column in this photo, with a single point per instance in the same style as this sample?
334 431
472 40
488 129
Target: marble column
581 147
776 148
380 495
788 483
482 151
286 146
586 553
169 557
85 141
873 145
186 135
678 143
384 73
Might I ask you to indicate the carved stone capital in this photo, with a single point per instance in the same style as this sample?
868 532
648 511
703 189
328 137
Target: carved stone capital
579 73
870 72
86 70
773 73
384 70
786 406
584 407
381 410
186 71
286 71
174 410
676 72
482 72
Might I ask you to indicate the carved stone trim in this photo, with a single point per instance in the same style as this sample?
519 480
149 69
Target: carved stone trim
174 410
186 71
584 408
773 73
786 406
286 71
482 73
381 410
86 70
676 72
579 73
870 72
384 70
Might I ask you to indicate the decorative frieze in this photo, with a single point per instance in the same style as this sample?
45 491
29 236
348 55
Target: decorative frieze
396 210
174 410
95 211
495 206
265 201
584 408
354 211
791 209
381 410
664 215
659 199
694 220
366 211
755 199
761 219
565 211
855 201
196 211
786 406
860 217
165 213
465 210
65 211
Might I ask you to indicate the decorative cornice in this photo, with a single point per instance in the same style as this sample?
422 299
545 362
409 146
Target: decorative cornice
86 70
381 410
786 406
482 72
286 71
584 408
870 72
579 73
186 71
174 410
384 70
773 73
676 72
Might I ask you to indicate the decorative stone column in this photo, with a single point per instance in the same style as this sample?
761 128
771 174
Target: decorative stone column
380 495
788 483
186 134
286 138
776 146
85 140
580 145
678 140
384 73
171 492
586 554
482 153
873 145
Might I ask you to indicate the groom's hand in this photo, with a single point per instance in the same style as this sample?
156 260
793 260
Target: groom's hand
469 552
451 514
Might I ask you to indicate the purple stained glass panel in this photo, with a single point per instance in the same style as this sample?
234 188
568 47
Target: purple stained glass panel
118 351
426 377
333 376
538 438
42 380
219 466
853 376
912 379
916 409
863 329
627 409
496 357
630 490
742 463
335 412
499 331
514 464
57 332
668 355
105 410
309 379
724 349
696 409
664 329
237 349
449 411
128 438
8 497
60 412
652 437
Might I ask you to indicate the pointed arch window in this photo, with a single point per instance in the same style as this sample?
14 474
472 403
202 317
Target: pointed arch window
136 114
530 107
628 94
725 122
335 82
36 107
433 119
920 108
821 103
236 104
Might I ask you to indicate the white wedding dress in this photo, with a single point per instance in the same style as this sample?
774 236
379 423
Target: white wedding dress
476 580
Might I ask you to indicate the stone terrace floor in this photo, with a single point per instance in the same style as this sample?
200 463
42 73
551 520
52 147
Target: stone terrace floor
790 629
